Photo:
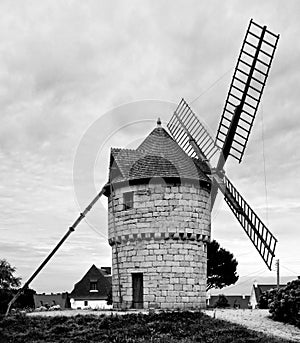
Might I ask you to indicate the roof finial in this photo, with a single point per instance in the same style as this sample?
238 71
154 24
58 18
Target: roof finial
158 122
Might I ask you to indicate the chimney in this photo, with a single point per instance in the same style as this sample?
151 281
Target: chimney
107 270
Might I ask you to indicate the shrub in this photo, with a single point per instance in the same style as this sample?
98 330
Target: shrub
222 302
266 298
284 303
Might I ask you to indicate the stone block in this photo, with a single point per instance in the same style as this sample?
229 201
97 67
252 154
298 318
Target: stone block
150 258
178 287
138 258
149 297
179 257
190 281
164 305
171 299
165 269
187 287
178 270
161 299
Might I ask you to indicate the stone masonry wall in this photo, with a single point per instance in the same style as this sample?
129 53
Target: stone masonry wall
164 237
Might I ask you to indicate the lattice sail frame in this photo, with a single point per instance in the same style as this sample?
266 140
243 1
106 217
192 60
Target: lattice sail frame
184 126
194 139
247 85
261 237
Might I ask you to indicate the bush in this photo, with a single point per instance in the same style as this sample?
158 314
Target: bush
222 302
284 303
5 297
266 298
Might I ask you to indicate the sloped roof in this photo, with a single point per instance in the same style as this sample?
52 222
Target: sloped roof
82 288
158 155
261 288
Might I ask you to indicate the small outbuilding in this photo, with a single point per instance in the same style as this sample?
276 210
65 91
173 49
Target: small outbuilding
52 299
234 301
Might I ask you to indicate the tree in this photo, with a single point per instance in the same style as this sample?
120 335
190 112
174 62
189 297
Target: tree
26 299
221 267
7 279
8 284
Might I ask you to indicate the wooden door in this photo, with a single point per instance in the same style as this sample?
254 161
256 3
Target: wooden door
137 290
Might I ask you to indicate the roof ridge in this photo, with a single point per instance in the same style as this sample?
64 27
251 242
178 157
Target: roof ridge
123 149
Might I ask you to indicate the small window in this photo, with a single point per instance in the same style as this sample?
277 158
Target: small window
93 286
86 303
127 201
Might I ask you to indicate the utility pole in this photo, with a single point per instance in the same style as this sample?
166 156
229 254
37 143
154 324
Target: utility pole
277 270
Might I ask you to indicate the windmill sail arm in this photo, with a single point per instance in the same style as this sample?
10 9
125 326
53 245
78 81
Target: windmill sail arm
261 237
190 133
246 89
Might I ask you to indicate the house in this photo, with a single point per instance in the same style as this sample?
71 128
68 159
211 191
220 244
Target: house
52 299
92 290
258 290
234 301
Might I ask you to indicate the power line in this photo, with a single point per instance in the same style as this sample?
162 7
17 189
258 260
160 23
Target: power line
259 272
211 86
264 164
290 270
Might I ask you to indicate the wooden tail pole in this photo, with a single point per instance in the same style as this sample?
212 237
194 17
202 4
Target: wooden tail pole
42 265
116 244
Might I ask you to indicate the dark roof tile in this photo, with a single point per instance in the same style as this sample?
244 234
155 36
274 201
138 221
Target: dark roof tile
157 156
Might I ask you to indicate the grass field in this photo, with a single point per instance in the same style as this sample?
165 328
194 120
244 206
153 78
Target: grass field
159 327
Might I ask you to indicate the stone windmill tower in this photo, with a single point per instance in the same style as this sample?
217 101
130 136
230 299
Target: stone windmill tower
159 223
161 194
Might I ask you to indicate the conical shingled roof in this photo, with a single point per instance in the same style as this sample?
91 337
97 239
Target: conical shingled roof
157 156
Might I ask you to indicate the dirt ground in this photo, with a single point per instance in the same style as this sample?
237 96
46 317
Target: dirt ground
257 320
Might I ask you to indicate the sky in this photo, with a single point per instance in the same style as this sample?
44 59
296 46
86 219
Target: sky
79 77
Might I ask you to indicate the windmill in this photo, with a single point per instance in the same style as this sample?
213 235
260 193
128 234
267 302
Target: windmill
241 105
237 119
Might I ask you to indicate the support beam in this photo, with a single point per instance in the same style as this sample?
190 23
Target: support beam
47 259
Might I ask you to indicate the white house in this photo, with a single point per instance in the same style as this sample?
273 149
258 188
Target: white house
93 290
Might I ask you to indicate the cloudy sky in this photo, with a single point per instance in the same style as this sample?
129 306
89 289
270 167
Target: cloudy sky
77 77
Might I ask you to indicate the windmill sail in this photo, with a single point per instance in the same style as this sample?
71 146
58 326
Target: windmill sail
186 128
246 89
263 240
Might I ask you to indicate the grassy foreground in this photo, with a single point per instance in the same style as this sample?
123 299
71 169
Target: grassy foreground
160 327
